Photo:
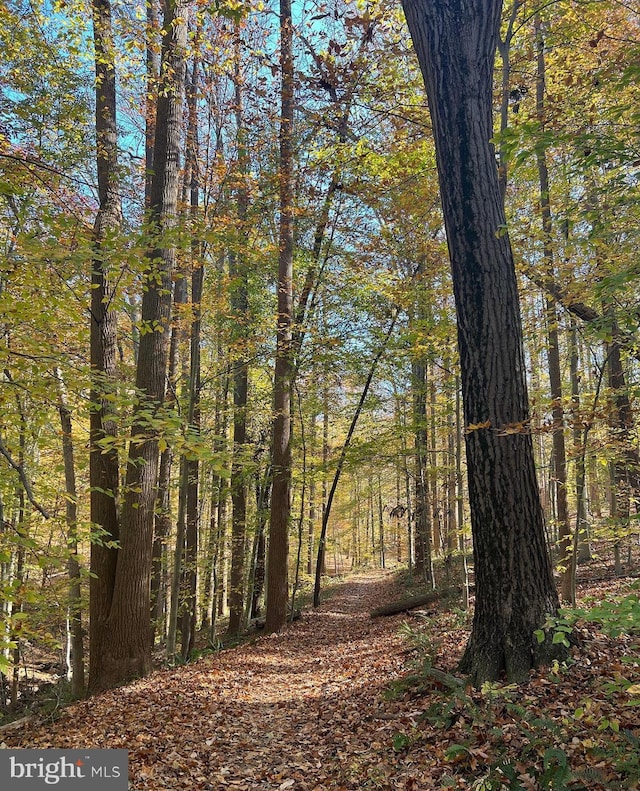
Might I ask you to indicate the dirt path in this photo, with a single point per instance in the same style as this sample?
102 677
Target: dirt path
301 710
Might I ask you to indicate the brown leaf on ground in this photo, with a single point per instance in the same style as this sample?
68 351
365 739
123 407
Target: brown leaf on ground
309 710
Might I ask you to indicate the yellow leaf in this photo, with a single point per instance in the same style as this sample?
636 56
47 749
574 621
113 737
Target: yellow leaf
475 426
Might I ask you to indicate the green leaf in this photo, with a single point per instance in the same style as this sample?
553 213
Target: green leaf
400 742
559 638
455 751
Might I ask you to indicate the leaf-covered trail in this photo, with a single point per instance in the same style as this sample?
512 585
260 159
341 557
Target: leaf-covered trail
300 710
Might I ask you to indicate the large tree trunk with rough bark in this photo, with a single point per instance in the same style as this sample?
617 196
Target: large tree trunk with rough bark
103 461
278 553
126 652
455 43
238 271
190 570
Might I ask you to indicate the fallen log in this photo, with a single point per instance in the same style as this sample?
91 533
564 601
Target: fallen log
12 726
410 603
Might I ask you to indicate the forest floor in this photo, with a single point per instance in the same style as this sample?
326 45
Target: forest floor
328 705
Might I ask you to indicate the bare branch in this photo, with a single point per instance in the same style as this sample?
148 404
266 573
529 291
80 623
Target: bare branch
25 481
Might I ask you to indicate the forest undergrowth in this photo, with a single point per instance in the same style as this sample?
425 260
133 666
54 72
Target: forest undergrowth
341 701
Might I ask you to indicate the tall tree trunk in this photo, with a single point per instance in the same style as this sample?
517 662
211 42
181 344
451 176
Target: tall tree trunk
515 591
22 533
326 372
370 528
21 529
411 551
216 528
582 550
451 516
460 495
342 458
565 541
223 496
152 75
259 564
624 468
190 580
278 553
432 476
422 506
103 462
238 273
303 506
182 603
383 562
126 652
163 510
504 47
212 551
192 513
178 563
312 496
73 564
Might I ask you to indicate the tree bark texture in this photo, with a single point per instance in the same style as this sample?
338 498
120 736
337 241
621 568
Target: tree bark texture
565 542
624 467
190 570
278 552
153 71
238 272
422 505
73 564
192 178
455 42
103 462
582 549
126 652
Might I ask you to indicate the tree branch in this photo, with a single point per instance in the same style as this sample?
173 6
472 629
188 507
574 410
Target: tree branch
579 309
25 482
